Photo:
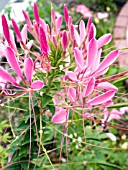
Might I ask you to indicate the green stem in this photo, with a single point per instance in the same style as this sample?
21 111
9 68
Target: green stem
30 130
45 151
10 119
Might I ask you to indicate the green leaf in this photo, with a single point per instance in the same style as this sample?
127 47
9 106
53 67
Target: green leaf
22 126
12 167
37 110
120 80
3 124
17 141
39 162
24 149
95 139
24 165
108 165
118 105
57 85
46 99
51 108
11 150
60 73
27 138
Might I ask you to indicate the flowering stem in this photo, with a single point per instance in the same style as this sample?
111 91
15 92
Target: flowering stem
41 132
30 129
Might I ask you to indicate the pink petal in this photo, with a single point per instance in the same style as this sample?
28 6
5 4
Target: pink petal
37 85
72 94
30 29
29 45
83 10
107 86
79 59
64 40
102 15
92 52
102 72
101 98
97 60
58 23
43 41
86 115
5 29
89 24
111 57
36 14
92 32
111 136
74 44
35 25
13 61
124 110
114 114
108 103
82 31
2 52
12 43
54 40
69 21
27 18
52 15
28 69
60 116
66 16
43 24
6 76
90 87
72 31
7 34
24 33
77 37
105 39
17 31
2 83
71 75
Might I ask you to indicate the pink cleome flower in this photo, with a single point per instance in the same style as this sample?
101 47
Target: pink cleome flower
83 85
84 11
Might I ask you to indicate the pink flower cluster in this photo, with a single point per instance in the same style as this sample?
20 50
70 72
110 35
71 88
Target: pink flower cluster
82 9
83 84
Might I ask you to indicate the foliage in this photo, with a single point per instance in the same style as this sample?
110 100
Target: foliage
99 5
4 140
